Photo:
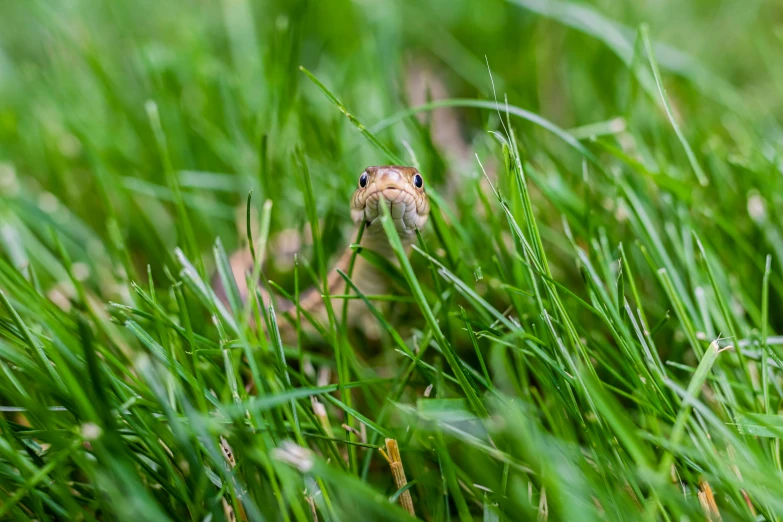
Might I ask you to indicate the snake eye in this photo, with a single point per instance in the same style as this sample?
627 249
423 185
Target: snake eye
363 180
418 181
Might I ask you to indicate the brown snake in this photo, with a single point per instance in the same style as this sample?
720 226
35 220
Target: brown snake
402 188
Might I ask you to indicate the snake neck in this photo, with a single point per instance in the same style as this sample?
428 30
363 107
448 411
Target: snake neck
377 241
367 278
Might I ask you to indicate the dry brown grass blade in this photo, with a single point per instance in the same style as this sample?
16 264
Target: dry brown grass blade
707 501
392 455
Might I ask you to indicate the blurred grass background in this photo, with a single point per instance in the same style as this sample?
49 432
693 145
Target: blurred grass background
128 129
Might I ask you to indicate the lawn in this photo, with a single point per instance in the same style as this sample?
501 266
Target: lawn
586 328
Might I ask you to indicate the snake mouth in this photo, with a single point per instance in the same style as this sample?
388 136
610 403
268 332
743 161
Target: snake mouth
404 208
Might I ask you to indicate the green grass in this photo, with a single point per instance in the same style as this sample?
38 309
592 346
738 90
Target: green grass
588 328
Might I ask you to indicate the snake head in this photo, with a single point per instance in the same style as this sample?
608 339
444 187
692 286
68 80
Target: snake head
402 188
